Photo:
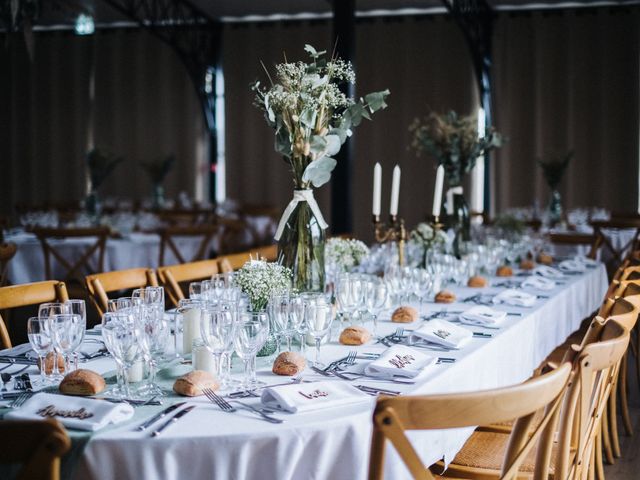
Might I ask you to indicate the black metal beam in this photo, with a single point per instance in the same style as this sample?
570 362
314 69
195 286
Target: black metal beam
475 18
344 34
197 39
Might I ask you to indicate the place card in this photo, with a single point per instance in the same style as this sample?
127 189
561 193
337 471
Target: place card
442 333
539 283
516 298
548 272
399 361
304 397
572 266
482 315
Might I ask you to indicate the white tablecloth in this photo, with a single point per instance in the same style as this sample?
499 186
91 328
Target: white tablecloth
621 240
334 444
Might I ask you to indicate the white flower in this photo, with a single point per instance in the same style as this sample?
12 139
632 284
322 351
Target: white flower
423 235
261 280
345 253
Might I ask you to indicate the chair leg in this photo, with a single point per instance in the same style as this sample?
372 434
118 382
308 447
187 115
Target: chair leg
613 422
606 443
598 455
638 354
591 474
624 401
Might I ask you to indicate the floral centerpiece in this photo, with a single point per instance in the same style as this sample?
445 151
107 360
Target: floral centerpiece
553 170
454 142
261 280
100 164
424 237
345 253
312 118
157 170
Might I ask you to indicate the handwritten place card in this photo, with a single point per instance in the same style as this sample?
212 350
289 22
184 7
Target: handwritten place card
53 411
314 394
442 332
399 360
296 398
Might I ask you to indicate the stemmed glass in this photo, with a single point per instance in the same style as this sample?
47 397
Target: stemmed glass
62 333
253 330
78 326
349 294
278 311
376 294
195 290
121 336
48 311
218 329
40 340
151 333
318 318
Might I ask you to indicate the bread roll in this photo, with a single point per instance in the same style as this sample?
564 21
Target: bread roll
289 364
504 271
445 296
82 382
48 363
191 384
355 336
477 282
545 259
527 264
404 315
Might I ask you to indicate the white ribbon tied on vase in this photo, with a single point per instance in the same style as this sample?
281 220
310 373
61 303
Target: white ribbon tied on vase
450 193
300 196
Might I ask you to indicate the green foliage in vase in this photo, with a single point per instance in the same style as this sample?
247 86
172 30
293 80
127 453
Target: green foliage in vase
261 280
159 168
100 164
553 168
510 224
311 116
454 142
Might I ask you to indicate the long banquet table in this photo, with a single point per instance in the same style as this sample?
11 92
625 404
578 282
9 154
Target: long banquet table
334 443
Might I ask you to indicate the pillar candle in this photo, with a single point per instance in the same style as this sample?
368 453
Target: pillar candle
437 193
377 188
395 191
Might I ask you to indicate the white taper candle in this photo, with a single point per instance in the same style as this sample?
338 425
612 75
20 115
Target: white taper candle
377 188
437 193
395 191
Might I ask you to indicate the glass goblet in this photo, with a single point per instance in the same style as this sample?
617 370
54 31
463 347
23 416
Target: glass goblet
252 333
41 342
78 326
218 329
318 319
121 337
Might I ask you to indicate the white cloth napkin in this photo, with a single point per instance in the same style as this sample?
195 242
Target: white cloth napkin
515 297
482 315
572 266
399 361
547 272
589 262
101 412
304 397
443 333
539 283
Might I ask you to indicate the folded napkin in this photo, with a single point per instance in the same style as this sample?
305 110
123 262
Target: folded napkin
482 315
304 397
539 283
547 272
514 297
443 333
589 262
572 266
399 361
19 351
74 412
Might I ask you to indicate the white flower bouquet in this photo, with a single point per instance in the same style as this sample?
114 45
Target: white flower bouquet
424 238
261 280
345 253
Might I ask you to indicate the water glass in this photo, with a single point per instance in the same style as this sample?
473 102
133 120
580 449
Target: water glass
253 331
218 330
318 319
78 308
41 342
121 336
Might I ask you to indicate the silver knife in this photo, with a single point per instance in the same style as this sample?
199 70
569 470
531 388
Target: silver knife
172 420
159 415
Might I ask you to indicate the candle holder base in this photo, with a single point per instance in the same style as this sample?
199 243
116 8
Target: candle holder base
395 231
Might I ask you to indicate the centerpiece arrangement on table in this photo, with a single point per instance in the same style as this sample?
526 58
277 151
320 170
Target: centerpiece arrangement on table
553 170
456 142
312 118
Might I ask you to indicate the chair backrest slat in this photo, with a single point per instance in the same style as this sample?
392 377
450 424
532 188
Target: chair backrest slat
171 276
100 284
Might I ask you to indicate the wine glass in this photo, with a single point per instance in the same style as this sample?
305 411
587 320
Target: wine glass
78 308
376 294
318 319
122 339
253 330
62 327
278 311
151 334
40 340
218 329
195 290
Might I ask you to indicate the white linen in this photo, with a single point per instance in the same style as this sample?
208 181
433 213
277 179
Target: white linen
518 298
100 412
305 397
539 283
548 272
482 315
442 333
334 443
572 266
399 361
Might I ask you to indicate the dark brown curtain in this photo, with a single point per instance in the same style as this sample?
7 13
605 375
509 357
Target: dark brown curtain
423 61
568 81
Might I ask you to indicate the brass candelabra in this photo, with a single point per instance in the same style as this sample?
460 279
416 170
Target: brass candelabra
393 232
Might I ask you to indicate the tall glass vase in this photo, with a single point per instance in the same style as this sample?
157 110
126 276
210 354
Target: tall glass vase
301 248
459 220
158 196
555 207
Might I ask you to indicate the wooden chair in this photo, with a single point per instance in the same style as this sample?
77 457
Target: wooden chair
80 265
205 233
578 443
7 252
230 263
393 416
173 275
100 284
594 242
15 296
617 224
37 445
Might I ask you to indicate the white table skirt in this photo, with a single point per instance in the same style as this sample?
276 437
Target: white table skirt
334 444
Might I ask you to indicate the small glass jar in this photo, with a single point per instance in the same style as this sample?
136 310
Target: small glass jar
202 358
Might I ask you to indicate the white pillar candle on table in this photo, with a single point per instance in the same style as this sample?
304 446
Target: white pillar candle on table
202 358
377 188
395 191
136 372
437 193
191 328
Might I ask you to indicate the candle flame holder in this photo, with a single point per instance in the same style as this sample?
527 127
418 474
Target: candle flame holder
392 232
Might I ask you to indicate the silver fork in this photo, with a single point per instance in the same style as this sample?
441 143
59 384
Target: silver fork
227 407
20 399
6 377
350 359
